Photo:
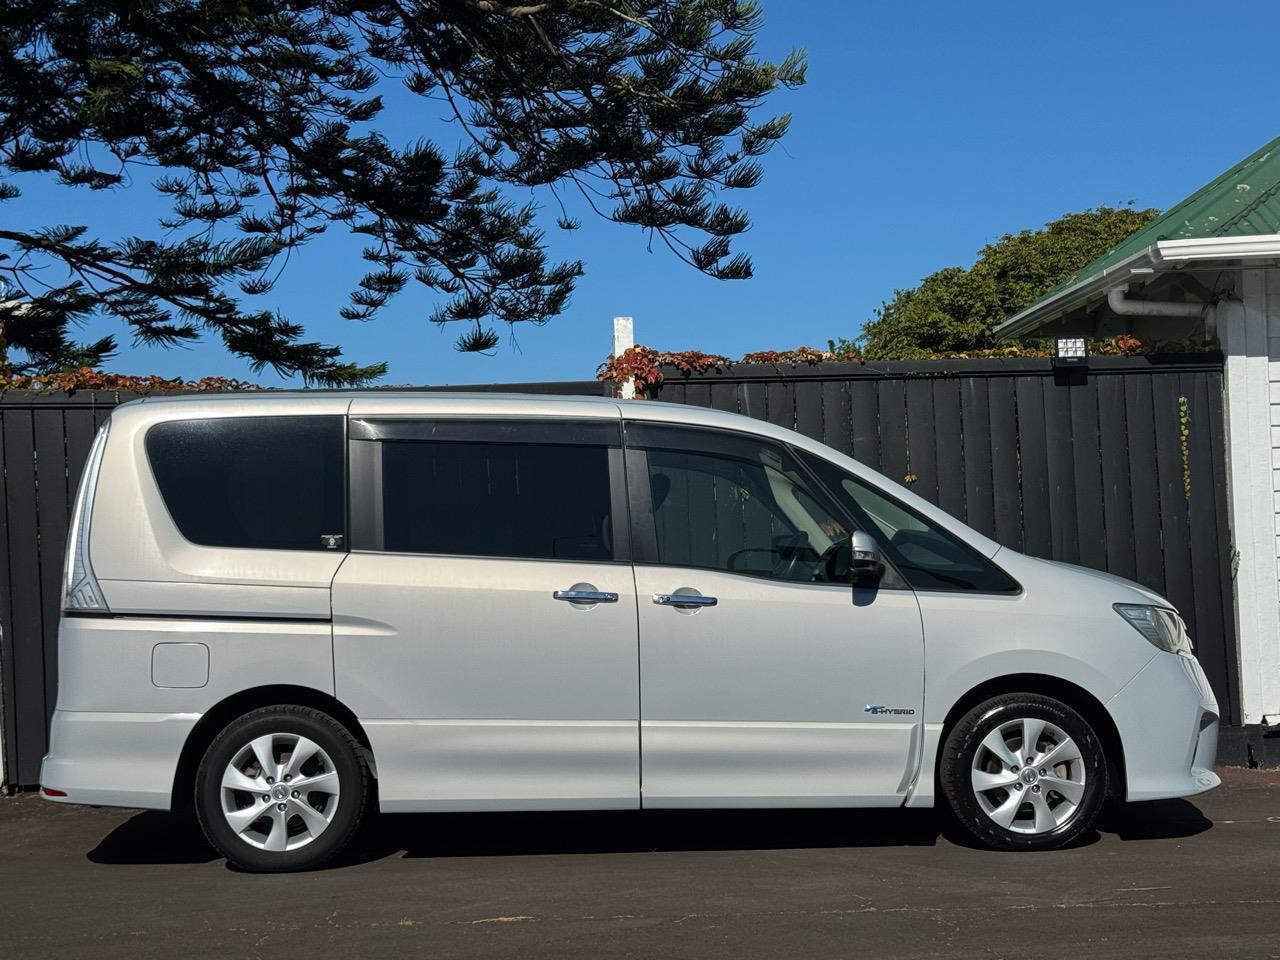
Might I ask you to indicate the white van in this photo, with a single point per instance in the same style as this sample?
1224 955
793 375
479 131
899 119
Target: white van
290 609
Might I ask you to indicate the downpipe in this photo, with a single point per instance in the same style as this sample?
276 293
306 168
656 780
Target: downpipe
1123 306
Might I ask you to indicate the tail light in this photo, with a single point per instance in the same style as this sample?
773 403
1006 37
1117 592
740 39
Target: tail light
81 593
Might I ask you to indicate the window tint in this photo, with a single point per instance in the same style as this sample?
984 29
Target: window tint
928 557
540 501
744 508
262 482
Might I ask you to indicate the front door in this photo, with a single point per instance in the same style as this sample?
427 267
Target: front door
766 678
484 623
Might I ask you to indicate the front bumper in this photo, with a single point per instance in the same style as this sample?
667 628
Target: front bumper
115 759
1167 717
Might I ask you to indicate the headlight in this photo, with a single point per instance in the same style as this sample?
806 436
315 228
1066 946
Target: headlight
1161 626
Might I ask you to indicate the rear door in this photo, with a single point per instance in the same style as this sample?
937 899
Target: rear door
485 620
767 679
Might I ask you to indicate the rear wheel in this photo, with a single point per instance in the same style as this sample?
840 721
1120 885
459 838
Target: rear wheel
1024 772
282 788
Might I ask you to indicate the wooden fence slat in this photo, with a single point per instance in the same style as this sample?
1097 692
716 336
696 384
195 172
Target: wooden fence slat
751 400
949 446
1144 488
1037 537
724 396
1175 527
892 405
975 426
837 422
1208 620
672 391
809 409
780 404
80 430
1087 465
52 510
698 393
864 407
27 640
922 453
1006 463
1117 500
1063 526
7 675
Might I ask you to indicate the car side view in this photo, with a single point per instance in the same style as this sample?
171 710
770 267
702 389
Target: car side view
291 610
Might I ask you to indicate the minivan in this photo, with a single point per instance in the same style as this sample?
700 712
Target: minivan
287 611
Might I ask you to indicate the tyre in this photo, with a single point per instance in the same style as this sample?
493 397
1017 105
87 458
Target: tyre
282 788
1024 772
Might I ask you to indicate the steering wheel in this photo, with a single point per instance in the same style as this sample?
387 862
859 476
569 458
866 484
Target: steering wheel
787 561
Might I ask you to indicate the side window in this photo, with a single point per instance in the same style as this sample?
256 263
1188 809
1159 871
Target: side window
726 502
270 483
928 558
486 490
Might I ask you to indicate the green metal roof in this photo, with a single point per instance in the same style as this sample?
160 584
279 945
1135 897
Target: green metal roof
1244 201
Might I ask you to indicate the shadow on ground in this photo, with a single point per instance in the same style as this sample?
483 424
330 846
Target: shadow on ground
158 838
1154 820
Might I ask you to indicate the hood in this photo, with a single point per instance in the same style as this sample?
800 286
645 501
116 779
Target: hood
1144 594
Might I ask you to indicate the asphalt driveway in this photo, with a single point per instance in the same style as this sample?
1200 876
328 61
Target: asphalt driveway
1172 879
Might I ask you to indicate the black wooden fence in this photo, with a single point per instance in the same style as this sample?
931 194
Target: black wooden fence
1121 469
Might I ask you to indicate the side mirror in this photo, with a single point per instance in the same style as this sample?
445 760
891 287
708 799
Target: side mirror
866 563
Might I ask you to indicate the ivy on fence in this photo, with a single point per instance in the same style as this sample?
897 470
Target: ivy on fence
644 365
86 378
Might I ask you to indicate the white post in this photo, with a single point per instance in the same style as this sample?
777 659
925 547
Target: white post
624 339
1252 382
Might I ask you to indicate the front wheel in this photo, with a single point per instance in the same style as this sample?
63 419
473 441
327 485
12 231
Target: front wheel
282 788
1024 772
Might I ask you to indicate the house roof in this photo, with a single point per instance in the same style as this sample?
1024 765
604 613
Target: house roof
1242 202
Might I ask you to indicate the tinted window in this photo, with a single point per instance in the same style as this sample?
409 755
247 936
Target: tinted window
542 501
928 557
739 506
263 482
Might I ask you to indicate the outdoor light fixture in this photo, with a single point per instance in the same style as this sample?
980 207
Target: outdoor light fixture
1070 352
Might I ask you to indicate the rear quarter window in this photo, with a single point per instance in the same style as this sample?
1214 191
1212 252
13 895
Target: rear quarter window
273 483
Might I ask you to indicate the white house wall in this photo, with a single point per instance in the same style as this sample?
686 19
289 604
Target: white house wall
1250 334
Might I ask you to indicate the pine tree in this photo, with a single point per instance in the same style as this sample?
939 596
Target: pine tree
259 120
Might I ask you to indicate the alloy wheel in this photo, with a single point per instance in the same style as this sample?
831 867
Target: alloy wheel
1028 776
279 792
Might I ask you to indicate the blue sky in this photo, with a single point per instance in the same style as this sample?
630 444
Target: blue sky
925 131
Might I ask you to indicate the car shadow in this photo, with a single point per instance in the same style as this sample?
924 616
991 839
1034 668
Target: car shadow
649 831
153 837
160 838
1154 820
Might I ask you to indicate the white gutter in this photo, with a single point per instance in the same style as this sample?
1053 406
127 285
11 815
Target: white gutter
1164 254
1265 246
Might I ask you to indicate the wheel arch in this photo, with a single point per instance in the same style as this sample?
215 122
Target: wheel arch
217 717
1073 695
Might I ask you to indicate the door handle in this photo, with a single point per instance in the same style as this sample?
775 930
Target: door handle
683 600
586 596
